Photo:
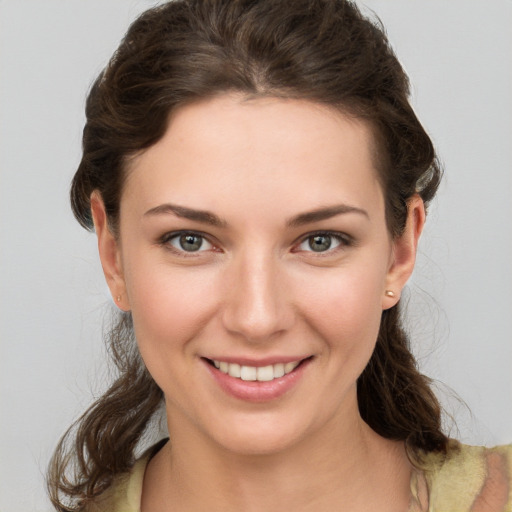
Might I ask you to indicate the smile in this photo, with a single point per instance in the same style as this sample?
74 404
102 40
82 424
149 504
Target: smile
258 381
256 373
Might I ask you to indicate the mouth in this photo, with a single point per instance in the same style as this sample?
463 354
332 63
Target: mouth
248 373
258 381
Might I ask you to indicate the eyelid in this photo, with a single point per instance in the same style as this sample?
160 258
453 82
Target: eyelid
165 239
344 240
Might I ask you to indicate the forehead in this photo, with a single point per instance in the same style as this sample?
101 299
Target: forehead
231 145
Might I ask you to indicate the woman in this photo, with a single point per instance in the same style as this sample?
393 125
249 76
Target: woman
258 183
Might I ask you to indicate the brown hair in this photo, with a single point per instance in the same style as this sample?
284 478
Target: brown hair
324 51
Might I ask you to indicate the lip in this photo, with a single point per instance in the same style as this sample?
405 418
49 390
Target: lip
247 361
256 391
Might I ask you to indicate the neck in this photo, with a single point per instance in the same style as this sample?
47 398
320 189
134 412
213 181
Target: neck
345 464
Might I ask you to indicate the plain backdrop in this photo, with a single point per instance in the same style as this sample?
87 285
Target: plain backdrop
52 295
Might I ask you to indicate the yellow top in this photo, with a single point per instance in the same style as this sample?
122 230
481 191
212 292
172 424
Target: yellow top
469 479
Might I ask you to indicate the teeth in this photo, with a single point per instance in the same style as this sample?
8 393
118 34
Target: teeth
253 373
288 367
278 370
234 370
248 373
265 373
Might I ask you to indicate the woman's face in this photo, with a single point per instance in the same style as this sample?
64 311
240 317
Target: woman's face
253 238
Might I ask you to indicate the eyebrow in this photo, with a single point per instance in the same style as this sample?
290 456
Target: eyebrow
210 218
188 213
324 214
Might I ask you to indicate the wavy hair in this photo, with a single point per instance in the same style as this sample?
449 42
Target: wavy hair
324 51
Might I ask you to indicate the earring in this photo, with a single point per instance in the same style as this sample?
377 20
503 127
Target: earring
389 293
118 298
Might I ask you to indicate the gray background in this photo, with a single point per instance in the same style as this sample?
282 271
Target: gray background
52 295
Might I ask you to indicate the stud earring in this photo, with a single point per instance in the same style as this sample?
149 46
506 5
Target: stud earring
389 293
118 298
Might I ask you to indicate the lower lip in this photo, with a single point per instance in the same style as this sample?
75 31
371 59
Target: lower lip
256 391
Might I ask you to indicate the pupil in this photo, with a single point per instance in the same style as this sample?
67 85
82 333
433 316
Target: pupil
319 243
190 242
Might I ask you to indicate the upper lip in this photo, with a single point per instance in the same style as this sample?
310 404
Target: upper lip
266 361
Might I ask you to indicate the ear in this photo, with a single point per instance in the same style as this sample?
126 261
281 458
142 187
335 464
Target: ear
404 252
110 254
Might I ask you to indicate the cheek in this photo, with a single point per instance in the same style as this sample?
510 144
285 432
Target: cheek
346 310
169 306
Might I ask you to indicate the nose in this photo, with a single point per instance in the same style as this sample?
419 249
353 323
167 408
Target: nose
257 306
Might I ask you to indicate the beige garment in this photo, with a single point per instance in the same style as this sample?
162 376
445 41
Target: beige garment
469 479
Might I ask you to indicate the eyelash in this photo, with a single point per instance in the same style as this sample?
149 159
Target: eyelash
168 237
342 239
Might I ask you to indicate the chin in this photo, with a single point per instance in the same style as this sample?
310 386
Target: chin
258 443
251 436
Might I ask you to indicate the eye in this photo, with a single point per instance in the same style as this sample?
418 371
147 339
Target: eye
323 242
188 242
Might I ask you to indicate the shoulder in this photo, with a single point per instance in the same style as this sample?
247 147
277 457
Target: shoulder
469 478
124 495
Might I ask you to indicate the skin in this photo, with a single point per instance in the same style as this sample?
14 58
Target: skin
256 290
